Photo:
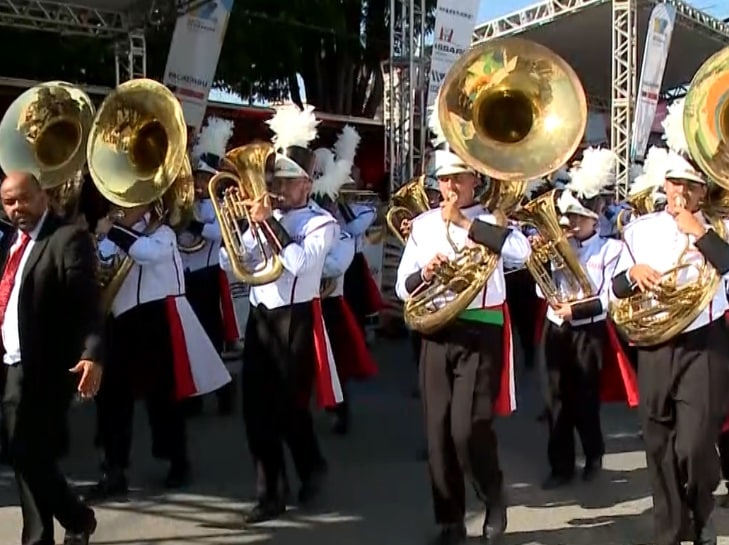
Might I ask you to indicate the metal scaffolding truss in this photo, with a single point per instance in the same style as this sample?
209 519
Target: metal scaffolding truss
566 25
122 21
405 74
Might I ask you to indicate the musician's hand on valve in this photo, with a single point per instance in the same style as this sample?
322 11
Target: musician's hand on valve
430 269
260 209
563 310
646 277
688 224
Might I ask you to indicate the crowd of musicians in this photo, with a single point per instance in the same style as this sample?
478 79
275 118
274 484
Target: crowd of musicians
114 287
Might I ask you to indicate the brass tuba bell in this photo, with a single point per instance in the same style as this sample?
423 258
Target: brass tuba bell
44 132
513 110
406 203
136 153
249 164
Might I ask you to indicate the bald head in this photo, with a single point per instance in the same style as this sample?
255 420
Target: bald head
24 200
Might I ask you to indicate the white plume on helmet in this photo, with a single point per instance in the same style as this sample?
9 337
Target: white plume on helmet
212 140
293 127
334 167
673 132
653 172
595 172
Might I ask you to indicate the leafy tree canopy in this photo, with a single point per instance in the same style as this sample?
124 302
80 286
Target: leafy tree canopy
336 45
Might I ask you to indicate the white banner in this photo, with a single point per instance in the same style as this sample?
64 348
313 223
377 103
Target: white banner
657 45
454 24
193 58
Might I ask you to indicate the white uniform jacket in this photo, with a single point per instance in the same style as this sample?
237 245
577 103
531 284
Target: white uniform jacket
598 257
428 238
357 218
654 240
156 275
312 232
208 228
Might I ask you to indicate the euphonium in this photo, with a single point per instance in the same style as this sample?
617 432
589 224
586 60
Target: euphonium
553 251
654 317
406 203
513 110
136 152
641 203
249 164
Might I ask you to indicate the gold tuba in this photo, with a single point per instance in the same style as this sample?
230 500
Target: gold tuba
652 318
249 164
553 251
406 203
513 110
136 153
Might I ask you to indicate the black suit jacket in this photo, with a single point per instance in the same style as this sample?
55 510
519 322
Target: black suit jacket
59 323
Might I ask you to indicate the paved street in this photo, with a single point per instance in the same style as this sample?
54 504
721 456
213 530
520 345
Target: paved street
377 492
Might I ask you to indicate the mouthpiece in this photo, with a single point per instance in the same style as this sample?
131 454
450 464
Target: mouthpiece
679 202
452 196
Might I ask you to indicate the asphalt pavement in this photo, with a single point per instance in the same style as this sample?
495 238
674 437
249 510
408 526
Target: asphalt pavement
377 491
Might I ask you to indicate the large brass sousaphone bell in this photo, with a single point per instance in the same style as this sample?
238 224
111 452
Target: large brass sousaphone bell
44 132
137 154
138 143
514 110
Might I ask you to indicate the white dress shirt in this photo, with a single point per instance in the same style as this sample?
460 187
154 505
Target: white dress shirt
654 240
428 238
313 232
598 257
10 331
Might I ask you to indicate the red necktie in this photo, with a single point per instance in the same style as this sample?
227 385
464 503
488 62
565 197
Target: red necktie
11 270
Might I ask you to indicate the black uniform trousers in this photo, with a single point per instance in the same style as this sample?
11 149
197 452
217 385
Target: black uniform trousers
460 372
683 400
574 358
277 381
44 491
140 365
355 289
202 289
523 302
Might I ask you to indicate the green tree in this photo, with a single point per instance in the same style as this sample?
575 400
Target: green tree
336 45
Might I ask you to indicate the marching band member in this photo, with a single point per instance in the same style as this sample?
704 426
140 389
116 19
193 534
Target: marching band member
282 359
157 348
360 289
352 358
575 333
683 382
464 377
206 283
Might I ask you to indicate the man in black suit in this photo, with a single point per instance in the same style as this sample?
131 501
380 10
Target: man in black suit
50 324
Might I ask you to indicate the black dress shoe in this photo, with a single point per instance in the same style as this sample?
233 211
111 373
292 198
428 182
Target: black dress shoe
494 525
81 538
592 469
178 475
450 534
264 510
113 484
706 534
312 485
556 480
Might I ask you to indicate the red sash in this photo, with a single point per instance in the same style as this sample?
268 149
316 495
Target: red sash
230 322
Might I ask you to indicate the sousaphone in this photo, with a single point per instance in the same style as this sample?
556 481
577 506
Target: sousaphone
513 110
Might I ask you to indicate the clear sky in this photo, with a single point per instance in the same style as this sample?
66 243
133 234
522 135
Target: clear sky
491 9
